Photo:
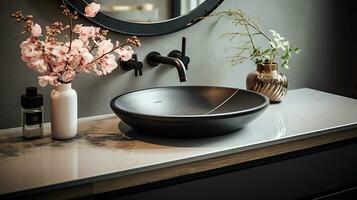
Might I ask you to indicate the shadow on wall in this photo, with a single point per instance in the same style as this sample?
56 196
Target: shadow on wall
350 22
343 57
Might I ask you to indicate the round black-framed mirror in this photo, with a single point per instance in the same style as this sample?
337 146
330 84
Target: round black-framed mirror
153 28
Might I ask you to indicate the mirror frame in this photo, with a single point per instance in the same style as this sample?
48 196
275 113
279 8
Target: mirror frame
148 29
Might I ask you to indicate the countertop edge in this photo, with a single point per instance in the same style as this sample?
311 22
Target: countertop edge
136 177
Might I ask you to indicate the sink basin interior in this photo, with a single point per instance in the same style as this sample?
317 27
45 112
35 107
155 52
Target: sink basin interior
178 101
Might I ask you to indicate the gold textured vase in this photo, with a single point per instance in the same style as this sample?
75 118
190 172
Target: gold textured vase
269 81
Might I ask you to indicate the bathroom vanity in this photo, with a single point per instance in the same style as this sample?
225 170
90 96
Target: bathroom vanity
302 147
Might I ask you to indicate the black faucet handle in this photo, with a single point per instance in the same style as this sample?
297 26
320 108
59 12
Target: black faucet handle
133 64
138 69
183 47
181 54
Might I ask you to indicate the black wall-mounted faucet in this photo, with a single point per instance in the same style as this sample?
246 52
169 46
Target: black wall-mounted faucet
181 54
133 64
175 58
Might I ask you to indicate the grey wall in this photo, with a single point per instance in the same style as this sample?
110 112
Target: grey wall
319 27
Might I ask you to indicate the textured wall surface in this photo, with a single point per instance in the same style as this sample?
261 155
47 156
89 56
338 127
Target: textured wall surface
321 28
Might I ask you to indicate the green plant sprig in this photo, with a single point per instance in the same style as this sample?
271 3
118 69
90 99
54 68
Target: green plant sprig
278 46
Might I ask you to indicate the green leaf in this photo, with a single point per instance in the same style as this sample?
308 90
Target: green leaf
297 50
266 51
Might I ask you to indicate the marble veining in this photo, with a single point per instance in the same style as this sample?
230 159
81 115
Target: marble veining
91 133
105 145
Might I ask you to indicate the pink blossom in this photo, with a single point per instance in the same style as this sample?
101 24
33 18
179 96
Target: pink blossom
87 58
87 68
77 28
56 56
54 49
29 50
86 32
64 49
77 45
36 30
107 64
125 53
91 9
74 57
38 65
68 76
45 80
86 64
58 66
104 47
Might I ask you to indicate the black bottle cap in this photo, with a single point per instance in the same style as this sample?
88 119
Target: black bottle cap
31 99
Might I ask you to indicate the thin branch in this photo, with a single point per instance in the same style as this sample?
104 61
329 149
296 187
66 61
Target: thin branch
122 45
70 32
92 48
250 37
245 20
232 35
68 13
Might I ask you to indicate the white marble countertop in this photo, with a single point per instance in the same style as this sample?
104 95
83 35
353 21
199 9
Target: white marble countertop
103 148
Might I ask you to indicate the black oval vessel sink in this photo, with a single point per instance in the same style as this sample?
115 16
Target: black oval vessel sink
188 111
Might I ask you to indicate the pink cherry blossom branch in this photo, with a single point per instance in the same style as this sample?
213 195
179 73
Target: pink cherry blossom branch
28 21
118 47
92 48
59 62
69 14
133 40
70 33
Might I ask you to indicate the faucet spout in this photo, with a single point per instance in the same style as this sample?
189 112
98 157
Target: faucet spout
180 66
155 59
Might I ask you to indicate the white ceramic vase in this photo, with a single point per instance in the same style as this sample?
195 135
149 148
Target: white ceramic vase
63 112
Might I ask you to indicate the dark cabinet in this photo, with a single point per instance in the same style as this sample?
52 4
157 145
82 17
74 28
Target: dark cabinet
327 174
